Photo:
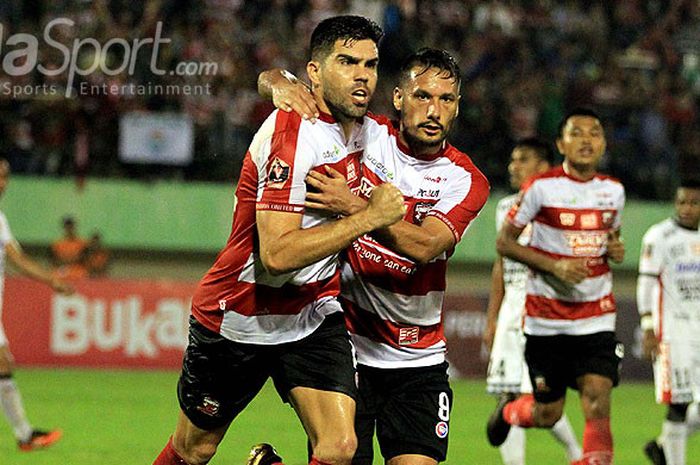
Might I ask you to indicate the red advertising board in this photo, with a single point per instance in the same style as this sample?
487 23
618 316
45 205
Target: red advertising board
143 324
105 323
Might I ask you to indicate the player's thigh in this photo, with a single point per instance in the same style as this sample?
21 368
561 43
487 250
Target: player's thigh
675 370
317 375
411 459
414 420
219 377
370 396
597 354
549 368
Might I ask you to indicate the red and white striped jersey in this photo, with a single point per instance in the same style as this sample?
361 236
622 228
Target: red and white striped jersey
237 297
570 219
393 306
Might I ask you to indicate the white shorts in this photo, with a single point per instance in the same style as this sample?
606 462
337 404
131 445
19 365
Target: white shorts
677 372
507 371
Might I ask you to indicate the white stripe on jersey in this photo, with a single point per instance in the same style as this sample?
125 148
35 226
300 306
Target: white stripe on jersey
278 329
252 273
580 327
380 355
423 310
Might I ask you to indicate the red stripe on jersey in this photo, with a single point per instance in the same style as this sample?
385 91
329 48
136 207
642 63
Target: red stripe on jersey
570 219
396 274
282 154
597 266
369 325
230 261
553 309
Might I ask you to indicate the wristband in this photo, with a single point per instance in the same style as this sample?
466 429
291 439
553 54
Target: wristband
289 76
646 322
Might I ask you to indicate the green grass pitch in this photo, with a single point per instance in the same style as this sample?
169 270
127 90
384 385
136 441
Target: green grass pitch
123 417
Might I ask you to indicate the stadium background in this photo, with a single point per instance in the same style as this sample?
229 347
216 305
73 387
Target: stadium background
523 63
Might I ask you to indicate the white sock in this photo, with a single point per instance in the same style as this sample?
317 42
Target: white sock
11 403
692 418
513 449
564 433
675 439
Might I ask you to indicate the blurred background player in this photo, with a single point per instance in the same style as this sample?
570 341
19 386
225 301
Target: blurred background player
68 252
27 437
507 372
393 280
268 306
96 256
668 300
570 310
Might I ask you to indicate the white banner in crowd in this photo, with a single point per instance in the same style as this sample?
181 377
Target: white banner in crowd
156 138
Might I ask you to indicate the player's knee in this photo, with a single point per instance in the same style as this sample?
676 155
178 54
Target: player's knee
198 454
336 451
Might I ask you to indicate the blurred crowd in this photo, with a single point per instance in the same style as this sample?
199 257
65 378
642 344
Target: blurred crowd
523 63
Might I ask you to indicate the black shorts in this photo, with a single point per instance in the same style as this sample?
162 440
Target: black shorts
220 377
410 409
556 362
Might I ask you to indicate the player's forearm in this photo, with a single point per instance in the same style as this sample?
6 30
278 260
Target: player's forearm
267 80
32 269
509 247
412 241
647 290
299 248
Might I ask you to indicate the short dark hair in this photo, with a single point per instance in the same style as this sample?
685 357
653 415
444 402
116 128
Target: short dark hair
578 111
348 28
541 148
428 58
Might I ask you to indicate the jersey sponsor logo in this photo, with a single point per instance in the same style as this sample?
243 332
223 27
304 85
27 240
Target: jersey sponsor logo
567 219
441 429
366 187
209 406
420 210
331 154
430 193
351 172
436 179
408 336
589 221
278 173
379 166
586 243
691 267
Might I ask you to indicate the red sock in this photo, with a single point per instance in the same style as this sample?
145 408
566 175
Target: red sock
519 412
315 461
597 442
168 456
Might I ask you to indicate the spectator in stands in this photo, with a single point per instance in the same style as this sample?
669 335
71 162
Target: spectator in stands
96 257
68 252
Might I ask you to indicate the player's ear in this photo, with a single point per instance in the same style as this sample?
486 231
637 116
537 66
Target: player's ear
560 145
398 98
313 70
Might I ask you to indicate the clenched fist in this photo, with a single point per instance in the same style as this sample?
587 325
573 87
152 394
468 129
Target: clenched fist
386 205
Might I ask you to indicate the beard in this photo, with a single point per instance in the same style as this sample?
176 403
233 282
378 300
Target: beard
416 142
340 108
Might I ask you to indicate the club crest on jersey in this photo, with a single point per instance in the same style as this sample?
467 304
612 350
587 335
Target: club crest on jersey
607 218
366 188
278 173
567 219
420 210
441 429
209 406
408 336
